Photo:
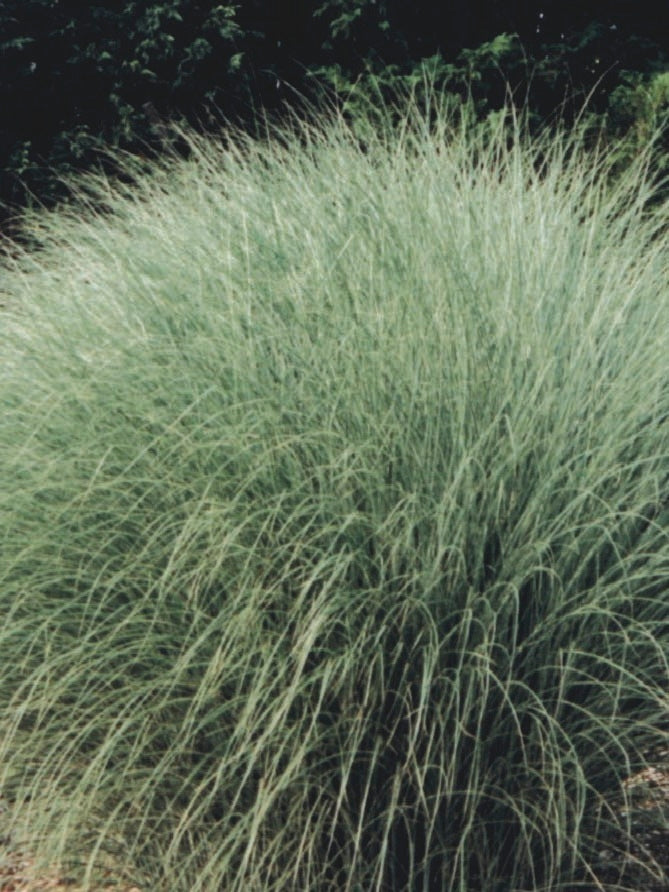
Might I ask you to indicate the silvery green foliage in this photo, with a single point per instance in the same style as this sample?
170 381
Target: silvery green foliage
334 510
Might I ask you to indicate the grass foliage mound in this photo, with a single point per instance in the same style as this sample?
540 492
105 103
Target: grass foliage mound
334 511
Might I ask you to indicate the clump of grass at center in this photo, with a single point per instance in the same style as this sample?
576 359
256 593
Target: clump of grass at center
335 511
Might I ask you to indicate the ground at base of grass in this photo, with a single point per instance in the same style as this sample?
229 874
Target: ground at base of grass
649 800
649 791
18 874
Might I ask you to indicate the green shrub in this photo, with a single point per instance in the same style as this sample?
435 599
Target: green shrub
78 78
335 511
75 78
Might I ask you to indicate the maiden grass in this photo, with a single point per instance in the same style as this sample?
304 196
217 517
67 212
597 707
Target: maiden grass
335 512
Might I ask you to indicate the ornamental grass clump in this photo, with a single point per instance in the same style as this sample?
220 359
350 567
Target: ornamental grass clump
334 511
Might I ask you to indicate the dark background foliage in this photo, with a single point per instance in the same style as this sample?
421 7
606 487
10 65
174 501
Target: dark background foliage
76 78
